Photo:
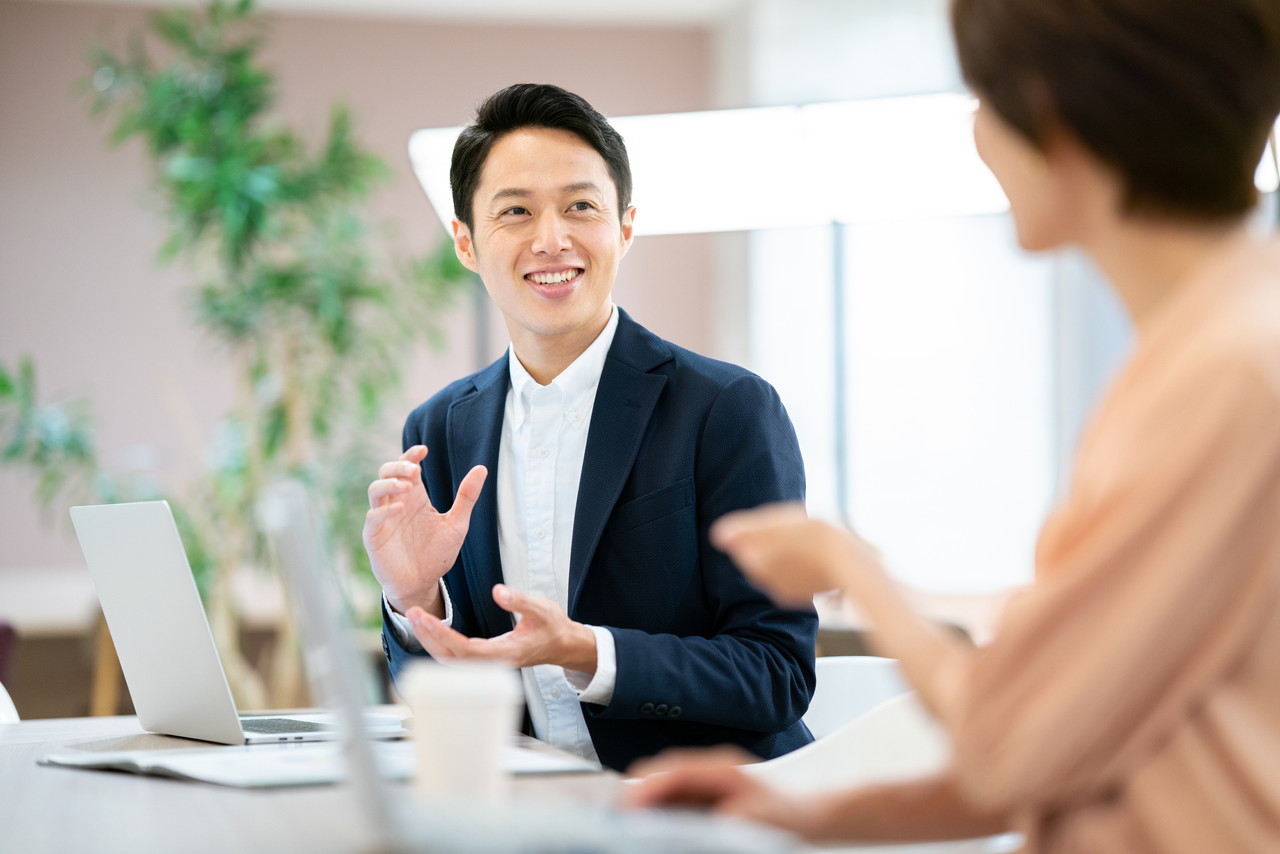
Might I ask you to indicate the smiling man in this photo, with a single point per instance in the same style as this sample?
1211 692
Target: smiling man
559 522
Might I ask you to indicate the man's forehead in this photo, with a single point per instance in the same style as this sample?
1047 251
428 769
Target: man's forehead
532 158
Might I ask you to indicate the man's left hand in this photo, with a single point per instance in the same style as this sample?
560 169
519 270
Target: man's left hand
543 634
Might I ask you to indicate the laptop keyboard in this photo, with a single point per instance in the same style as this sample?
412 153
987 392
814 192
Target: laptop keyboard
271 726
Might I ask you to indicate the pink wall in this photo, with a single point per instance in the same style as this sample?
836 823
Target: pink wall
80 289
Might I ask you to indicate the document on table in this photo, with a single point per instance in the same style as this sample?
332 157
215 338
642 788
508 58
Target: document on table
306 764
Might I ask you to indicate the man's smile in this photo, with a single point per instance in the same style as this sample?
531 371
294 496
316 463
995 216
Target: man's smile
559 277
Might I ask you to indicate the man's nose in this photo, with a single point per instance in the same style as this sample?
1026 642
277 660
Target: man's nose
550 235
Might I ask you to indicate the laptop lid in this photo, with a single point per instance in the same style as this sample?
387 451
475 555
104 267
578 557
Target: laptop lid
299 541
162 637
158 625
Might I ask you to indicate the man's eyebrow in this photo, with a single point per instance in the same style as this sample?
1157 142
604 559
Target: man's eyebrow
580 186
511 193
521 193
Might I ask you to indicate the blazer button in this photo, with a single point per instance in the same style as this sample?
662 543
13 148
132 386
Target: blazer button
675 712
646 709
661 709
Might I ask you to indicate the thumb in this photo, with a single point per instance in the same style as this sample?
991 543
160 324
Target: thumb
469 492
508 598
514 601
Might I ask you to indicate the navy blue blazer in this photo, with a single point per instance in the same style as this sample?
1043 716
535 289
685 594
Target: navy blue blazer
676 440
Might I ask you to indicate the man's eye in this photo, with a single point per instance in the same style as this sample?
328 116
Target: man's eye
581 206
518 211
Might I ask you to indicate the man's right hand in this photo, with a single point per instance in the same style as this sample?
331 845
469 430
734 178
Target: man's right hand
411 545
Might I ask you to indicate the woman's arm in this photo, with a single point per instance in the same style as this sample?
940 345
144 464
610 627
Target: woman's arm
930 808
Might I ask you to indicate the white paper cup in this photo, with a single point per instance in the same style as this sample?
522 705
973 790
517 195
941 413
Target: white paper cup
463 718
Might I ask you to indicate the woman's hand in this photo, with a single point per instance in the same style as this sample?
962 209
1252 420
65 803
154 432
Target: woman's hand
713 779
789 555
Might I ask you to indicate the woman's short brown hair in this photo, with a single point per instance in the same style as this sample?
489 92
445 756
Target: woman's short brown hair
1177 96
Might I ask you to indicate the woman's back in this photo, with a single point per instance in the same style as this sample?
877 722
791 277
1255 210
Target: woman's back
1130 700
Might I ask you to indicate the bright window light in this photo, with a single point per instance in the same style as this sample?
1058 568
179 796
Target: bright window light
780 167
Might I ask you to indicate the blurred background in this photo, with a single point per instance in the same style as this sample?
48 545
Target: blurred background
937 376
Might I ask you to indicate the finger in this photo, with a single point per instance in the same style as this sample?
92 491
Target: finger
378 516
726 530
414 453
381 491
679 758
739 524
436 638
748 804
737 531
469 492
405 469
693 786
446 644
516 602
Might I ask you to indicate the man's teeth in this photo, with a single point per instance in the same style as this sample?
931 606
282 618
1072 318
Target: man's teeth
552 278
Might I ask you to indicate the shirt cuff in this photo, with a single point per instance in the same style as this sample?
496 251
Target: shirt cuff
403 630
597 689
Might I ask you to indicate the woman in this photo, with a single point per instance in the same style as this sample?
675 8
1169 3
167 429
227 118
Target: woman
1130 701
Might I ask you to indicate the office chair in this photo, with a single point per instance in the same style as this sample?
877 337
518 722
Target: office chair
8 712
848 687
8 642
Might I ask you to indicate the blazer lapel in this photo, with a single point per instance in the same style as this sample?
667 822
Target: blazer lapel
625 400
474 431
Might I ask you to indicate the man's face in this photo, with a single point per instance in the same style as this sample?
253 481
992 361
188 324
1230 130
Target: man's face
547 237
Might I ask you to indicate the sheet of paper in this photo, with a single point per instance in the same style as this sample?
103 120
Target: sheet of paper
270 765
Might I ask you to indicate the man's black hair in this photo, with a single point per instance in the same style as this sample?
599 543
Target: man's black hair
538 105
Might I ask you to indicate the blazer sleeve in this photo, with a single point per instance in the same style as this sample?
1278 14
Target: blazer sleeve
752 665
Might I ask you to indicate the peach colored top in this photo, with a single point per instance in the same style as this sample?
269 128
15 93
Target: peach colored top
1130 701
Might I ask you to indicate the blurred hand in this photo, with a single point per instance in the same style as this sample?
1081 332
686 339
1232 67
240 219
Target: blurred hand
543 634
789 555
411 545
713 779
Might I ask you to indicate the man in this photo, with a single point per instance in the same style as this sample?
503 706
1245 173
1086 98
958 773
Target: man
612 451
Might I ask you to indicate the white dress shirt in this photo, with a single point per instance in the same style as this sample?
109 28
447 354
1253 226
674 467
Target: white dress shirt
544 441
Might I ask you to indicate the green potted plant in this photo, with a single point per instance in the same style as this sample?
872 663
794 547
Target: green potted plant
314 322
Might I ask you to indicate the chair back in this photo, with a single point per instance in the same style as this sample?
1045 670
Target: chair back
8 712
896 740
848 687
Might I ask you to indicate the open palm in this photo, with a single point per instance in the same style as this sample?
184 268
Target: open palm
411 545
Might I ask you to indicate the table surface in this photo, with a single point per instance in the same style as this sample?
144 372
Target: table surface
57 809
53 809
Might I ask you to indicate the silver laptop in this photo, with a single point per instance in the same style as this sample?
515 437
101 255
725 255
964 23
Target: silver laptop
162 637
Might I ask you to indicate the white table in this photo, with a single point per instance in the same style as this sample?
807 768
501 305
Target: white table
51 809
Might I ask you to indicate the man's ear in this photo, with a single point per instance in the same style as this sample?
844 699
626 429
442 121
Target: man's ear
463 246
628 228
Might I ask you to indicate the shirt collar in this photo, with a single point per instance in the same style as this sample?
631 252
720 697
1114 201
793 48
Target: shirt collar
581 377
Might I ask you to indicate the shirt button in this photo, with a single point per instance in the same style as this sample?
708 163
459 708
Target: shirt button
555 693
646 709
541 533
675 712
542 453
661 709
